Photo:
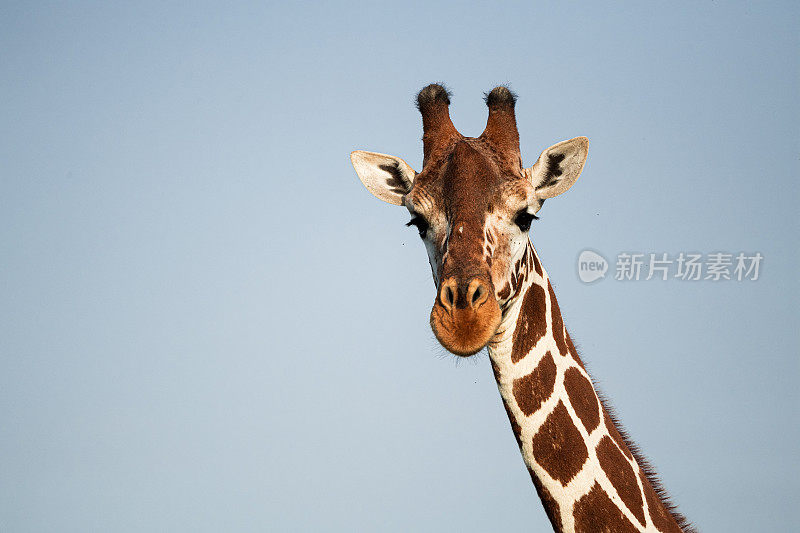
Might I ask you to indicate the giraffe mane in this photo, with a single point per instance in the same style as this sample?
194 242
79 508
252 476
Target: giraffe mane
644 463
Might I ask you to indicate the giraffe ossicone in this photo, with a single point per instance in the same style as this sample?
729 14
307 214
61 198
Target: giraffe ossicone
473 203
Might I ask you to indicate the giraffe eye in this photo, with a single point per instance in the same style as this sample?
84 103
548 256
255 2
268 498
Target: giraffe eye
420 223
524 219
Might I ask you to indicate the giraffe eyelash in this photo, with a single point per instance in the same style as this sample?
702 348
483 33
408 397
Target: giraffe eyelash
420 223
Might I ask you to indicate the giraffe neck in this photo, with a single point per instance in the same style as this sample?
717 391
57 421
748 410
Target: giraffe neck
584 470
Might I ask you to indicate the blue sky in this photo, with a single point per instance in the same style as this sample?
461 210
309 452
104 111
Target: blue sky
206 322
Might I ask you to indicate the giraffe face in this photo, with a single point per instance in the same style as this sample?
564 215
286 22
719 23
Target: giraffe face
473 204
473 217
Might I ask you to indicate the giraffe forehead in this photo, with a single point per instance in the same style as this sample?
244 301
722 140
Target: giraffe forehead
468 183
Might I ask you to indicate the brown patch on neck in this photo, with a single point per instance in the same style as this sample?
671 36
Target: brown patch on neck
558 446
596 513
536 264
532 390
558 322
582 398
622 476
531 323
505 292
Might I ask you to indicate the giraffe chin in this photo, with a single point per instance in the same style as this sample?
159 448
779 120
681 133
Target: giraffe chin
466 331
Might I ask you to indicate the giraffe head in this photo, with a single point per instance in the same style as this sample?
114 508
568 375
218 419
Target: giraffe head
473 204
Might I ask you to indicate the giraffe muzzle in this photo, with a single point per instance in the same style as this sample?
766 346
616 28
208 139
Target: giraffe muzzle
465 314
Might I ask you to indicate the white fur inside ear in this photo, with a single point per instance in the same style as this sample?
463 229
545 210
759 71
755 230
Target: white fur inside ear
558 167
387 177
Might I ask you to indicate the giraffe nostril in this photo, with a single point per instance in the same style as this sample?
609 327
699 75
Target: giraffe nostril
449 296
476 296
477 293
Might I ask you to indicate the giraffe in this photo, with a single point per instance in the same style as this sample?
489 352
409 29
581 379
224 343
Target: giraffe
473 204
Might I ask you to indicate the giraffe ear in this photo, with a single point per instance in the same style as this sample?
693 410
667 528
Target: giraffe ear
558 167
389 178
